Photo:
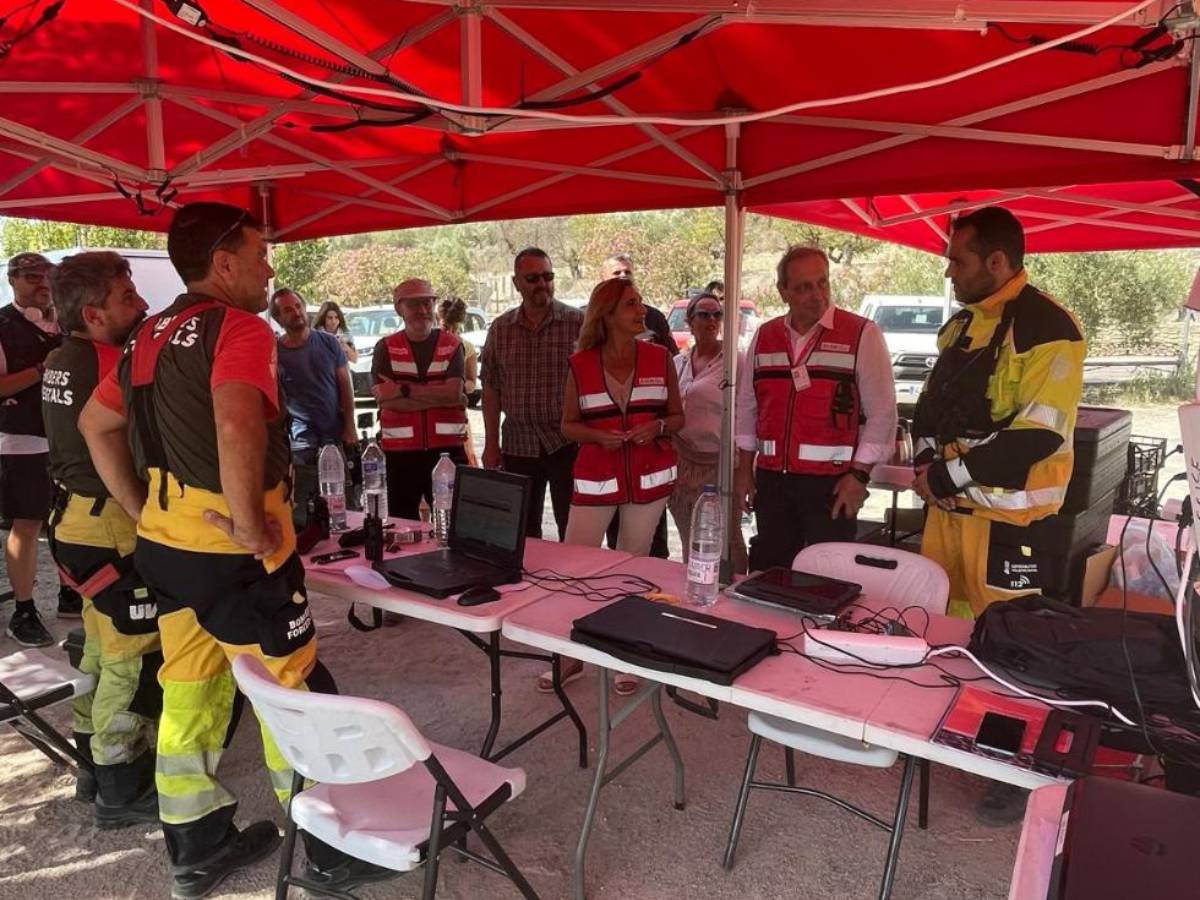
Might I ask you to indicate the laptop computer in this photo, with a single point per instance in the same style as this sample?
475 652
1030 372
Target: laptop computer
487 538
1120 840
816 596
674 639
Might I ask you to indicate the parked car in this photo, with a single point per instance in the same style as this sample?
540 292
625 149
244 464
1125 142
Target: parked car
910 327
367 324
748 322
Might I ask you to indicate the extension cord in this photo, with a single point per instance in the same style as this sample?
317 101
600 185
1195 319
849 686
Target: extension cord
855 647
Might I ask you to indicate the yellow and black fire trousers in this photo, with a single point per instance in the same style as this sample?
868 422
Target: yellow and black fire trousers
92 543
211 608
986 560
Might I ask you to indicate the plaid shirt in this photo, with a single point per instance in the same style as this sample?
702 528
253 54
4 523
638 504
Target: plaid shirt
527 366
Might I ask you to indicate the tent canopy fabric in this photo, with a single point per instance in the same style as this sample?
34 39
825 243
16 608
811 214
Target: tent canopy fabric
107 111
1129 216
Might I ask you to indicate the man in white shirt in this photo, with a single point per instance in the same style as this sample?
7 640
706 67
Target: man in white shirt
28 332
816 412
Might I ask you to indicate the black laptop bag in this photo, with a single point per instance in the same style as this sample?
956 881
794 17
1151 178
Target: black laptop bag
653 636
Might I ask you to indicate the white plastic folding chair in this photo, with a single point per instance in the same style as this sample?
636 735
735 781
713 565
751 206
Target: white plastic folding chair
890 577
31 681
384 794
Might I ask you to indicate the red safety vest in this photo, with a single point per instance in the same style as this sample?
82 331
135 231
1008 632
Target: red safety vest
813 431
427 429
635 473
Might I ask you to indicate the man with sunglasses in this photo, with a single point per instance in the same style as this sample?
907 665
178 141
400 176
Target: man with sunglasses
818 413
189 434
28 332
524 366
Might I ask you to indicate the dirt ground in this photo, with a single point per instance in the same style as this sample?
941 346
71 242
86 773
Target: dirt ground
642 849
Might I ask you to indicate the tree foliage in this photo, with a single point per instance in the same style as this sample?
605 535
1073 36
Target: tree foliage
367 275
25 235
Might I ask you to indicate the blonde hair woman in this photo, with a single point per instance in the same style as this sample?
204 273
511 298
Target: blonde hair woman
620 405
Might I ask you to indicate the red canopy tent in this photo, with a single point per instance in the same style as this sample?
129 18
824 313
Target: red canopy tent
120 97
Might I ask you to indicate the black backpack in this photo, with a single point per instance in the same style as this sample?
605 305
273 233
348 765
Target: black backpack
1046 643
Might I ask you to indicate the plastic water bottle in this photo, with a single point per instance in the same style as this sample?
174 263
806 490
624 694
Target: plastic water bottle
704 555
443 496
374 479
331 472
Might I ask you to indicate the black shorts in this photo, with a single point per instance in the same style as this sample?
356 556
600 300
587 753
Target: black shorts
25 486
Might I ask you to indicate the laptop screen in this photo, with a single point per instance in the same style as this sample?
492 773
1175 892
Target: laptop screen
489 512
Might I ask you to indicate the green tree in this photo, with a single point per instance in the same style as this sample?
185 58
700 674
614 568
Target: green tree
1130 292
36 235
367 275
298 264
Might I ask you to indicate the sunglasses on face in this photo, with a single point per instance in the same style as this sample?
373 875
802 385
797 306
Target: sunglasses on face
705 315
535 277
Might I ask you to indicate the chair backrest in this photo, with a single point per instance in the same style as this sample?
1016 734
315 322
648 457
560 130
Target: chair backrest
915 581
328 737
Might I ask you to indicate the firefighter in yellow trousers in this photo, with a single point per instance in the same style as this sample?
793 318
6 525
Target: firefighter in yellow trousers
92 541
994 428
189 432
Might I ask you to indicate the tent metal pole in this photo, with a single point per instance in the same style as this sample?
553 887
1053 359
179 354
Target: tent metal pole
1189 138
735 220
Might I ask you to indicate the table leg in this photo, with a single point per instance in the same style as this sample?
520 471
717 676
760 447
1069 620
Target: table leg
493 654
669 740
556 680
895 506
603 678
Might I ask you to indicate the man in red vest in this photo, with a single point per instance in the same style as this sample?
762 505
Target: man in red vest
816 411
418 375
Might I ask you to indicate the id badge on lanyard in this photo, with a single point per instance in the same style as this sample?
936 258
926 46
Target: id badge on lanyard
800 378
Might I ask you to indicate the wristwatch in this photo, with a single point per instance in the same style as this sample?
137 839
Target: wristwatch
864 477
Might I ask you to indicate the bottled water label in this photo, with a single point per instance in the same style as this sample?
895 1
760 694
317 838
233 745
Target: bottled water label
703 568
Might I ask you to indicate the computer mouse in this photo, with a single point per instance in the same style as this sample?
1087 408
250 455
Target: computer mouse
478 595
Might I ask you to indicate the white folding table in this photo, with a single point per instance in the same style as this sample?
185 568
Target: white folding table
479 624
877 710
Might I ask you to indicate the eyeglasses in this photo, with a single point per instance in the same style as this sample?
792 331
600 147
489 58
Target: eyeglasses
237 223
34 277
715 315
535 277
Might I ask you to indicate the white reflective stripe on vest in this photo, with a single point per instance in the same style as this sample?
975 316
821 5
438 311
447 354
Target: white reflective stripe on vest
781 360
819 453
593 401
404 368
1042 414
596 488
641 394
401 433
1015 499
657 479
450 428
436 367
827 360
767 448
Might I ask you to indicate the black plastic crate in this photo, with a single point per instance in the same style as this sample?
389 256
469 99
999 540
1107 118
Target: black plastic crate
1101 455
1138 495
1064 533
1146 454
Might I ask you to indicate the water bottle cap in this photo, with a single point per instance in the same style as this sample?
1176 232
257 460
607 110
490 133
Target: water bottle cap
444 456
710 489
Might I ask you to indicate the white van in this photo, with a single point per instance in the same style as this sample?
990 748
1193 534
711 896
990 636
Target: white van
156 279
910 327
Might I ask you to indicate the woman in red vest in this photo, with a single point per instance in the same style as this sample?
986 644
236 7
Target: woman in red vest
621 405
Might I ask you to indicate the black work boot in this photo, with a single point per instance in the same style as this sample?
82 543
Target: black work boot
254 843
